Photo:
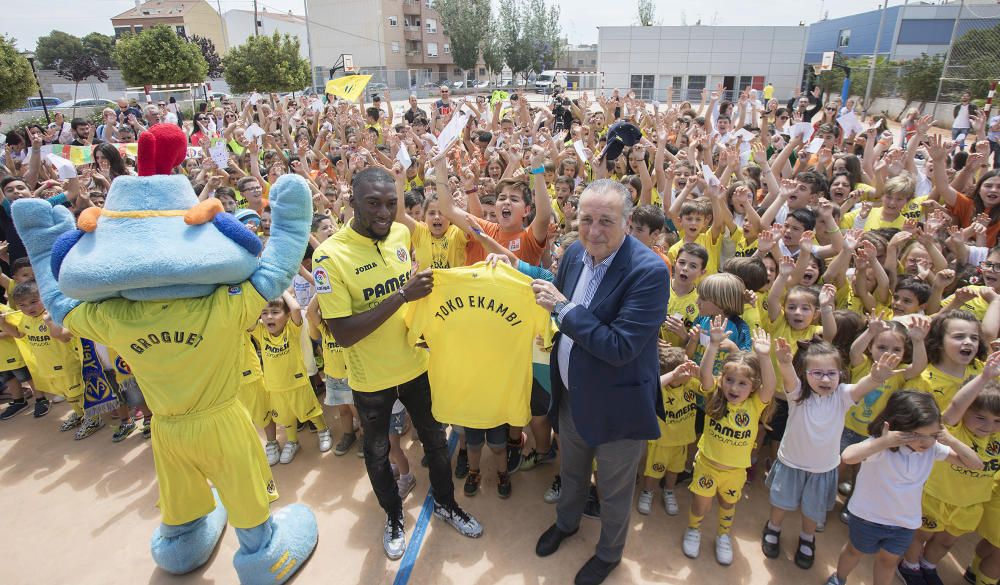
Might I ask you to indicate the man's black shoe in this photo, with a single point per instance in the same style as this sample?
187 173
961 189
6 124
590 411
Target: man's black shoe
550 540
594 571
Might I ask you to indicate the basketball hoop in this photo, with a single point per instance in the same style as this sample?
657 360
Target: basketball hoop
827 63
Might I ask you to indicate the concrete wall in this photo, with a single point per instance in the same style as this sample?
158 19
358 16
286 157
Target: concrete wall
678 52
239 28
894 107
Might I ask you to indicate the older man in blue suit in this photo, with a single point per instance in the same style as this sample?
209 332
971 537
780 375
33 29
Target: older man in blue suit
609 300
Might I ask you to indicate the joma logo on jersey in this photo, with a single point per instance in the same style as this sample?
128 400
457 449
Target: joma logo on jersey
364 268
384 288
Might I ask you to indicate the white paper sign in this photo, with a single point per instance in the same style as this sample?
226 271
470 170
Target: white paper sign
745 135
403 156
850 123
65 167
815 145
317 106
580 152
710 177
803 129
454 128
254 98
219 154
253 131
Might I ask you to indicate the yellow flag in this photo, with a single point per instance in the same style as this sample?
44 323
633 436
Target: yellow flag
348 87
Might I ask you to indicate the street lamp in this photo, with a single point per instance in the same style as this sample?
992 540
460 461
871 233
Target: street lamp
31 60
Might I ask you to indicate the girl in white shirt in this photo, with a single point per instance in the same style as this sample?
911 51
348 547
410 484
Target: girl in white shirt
906 439
805 474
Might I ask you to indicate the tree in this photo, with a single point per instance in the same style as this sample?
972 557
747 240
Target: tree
55 46
17 83
647 13
208 51
918 79
99 47
492 48
543 33
80 69
266 63
883 84
156 56
513 37
466 22
974 63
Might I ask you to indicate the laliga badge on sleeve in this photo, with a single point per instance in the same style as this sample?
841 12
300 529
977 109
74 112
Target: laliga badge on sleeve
322 281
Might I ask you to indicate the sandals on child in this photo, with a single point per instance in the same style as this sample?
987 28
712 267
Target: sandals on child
771 550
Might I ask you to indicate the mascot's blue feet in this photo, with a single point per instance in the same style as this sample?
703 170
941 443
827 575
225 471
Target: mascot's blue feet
182 549
272 552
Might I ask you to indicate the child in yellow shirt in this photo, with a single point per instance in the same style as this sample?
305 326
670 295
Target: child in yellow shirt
955 345
290 392
682 308
14 373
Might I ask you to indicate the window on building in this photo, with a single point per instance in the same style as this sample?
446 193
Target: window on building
393 21
844 37
138 28
457 71
395 46
432 49
482 71
432 25
696 83
643 86
593 61
122 30
180 31
447 49
579 62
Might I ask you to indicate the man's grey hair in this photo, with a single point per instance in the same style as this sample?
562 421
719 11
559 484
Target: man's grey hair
602 186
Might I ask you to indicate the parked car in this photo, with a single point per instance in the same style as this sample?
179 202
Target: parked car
377 87
458 84
480 84
89 103
36 103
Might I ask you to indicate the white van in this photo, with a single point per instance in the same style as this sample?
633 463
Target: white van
547 79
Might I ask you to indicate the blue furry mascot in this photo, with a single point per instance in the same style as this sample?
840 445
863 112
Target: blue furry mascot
172 285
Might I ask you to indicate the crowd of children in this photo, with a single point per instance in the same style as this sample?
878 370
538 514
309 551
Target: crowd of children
832 302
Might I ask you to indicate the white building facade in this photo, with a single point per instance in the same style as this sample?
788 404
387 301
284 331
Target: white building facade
240 27
686 59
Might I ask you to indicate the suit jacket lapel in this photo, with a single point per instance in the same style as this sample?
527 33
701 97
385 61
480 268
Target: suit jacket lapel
614 274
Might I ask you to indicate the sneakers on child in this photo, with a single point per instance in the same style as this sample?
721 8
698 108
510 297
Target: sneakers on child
288 452
670 502
645 503
394 539
504 487
125 428
472 483
833 580
405 485
56 399
41 407
462 464
910 576
89 427
70 423
325 441
273 452
17 406
458 518
344 444
552 494
514 453
534 459
724 549
692 543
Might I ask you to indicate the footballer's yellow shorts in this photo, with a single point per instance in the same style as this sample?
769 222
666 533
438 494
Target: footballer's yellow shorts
218 445
255 398
663 458
989 524
297 404
710 480
938 516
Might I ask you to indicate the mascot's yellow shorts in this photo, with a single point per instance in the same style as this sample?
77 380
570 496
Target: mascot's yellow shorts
292 406
218 445
255 398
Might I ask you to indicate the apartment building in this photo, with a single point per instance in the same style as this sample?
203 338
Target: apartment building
186 17
401 42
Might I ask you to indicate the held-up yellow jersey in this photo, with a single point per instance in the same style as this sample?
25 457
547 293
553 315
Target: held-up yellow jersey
187 350
10 355
942 386
353 275
679 405
281 355
480 324
961 486
448 251
45 356
729 440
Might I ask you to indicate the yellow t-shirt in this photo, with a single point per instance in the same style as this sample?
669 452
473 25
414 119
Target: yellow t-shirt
414 182
687 307
448 251
45 356
250 368
944 386
679 404
866 409
10 355
473 315
976 305
744 248
281 357
962 486
704 239
185 353
353 274
729 440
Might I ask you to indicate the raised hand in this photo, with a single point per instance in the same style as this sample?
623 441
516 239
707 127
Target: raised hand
882 370
783 351
827 295
919 327
761 342
717 332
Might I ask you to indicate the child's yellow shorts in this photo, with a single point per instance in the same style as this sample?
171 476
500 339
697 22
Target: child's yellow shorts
955 520
297 404
255 398
710 480
989 524
218 445
663 458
